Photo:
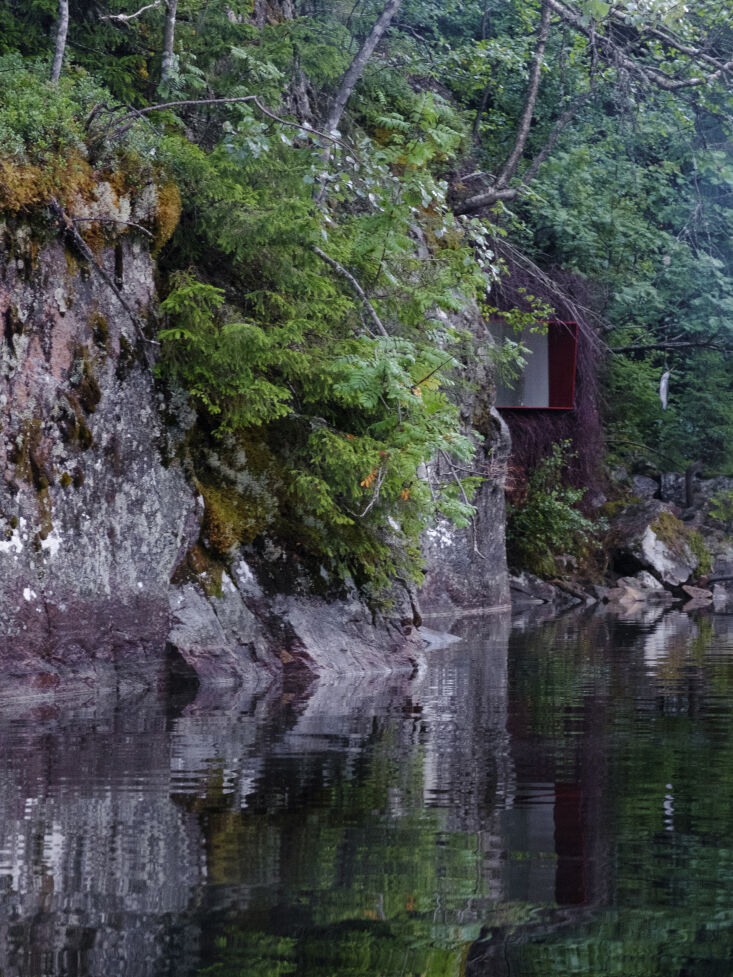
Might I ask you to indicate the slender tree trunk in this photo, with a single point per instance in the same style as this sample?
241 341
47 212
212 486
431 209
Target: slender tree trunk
501 189
348 83
357 66
168 39
61 32
509 168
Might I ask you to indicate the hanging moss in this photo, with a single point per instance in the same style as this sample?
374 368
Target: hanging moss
25 187
225 522
129 355
29 457
73 426
672 532
167 215
700 552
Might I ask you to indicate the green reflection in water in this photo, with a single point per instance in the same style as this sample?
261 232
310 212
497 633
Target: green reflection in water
612 858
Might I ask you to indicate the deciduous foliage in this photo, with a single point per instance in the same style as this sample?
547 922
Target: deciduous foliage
307 286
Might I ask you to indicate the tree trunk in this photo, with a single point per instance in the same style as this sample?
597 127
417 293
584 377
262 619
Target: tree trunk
168 39
501 190
348 83
63 27
509 168
357 66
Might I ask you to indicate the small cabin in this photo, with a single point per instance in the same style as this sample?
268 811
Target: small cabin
547 381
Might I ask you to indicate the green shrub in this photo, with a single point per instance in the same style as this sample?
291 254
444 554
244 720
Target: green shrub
722 509
547 521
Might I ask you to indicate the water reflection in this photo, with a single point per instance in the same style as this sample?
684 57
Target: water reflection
546 800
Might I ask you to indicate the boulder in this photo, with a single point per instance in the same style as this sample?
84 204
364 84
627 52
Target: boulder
650 537
644 487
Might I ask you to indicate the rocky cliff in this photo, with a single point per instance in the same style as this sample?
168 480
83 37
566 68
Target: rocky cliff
100 516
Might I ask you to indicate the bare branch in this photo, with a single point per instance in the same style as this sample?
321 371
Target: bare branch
123 18
614 54
486 199
670 40
576 311
449 462
671 346
160 106
381 475
111 220
356 287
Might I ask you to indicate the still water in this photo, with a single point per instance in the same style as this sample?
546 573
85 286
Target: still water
544 800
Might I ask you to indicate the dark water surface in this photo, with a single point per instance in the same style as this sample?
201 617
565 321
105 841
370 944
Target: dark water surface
540 801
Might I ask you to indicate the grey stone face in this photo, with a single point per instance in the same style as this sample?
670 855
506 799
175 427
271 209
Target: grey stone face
93 516
466 567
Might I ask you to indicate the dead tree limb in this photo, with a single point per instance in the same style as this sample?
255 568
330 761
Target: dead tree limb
111 220
123 18
344 273
614 54
66 223
127 120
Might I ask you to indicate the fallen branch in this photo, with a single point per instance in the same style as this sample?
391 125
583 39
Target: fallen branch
381 475
356 287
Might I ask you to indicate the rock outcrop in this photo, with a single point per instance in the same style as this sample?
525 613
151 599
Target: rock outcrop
99 511
94 511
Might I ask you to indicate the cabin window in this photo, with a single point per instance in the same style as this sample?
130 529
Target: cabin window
547 382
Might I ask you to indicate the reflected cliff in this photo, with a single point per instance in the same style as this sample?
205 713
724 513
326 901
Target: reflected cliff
536 801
